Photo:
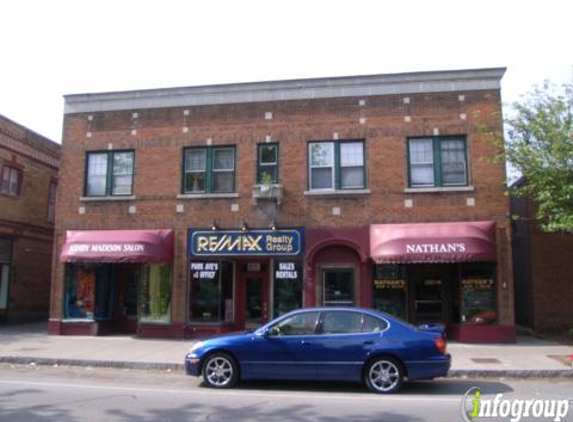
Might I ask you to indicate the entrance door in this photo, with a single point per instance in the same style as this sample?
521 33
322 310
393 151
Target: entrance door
338 287
253 292
127 284
4 282
254 302
428 301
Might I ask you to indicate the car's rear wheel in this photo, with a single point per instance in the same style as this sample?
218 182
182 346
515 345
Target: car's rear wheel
384 375
220 371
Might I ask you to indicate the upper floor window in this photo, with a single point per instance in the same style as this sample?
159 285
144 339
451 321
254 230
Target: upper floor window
209 170
109 173
11 181
437 162
267 163
336 165
52 201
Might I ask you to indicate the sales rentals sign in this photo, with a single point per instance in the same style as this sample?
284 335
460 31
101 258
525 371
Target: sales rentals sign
246 243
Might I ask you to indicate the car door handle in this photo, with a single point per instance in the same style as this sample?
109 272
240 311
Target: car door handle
368 342
305 343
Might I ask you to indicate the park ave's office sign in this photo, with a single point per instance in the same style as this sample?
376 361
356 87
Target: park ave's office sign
251 242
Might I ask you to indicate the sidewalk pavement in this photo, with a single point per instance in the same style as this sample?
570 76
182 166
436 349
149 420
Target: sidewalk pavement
30 344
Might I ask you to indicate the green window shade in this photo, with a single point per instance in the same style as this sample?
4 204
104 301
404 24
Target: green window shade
156 293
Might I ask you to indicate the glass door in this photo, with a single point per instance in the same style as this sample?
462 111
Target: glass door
253 293
428 303
254 302
338 287
4 282
127 283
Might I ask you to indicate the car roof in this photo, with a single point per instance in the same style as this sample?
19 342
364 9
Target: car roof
339 308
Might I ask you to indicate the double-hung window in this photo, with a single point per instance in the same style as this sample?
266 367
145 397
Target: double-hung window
437 162
11 181
336 165
109 173
267 163
209 170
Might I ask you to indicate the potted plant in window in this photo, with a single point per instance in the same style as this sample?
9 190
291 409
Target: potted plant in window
267 189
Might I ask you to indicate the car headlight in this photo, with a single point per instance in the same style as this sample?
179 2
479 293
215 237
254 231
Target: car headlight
196 346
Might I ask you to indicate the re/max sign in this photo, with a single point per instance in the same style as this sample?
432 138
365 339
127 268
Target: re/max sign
253 242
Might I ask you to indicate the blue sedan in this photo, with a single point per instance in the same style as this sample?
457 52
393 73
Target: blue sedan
338 344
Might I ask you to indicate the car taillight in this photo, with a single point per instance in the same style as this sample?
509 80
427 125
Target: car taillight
441 345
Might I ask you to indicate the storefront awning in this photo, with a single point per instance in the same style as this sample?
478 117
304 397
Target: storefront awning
433 242
154 246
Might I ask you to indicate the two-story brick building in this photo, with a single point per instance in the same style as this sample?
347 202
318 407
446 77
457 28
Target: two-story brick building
28 180
187 211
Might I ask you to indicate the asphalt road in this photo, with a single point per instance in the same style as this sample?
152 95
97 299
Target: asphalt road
62 394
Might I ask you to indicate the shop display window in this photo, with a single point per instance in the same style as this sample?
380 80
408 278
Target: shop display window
478 294
287 288
88 292
211 291
390 291
155 293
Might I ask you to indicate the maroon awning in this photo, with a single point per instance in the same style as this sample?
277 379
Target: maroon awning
118 246
433 242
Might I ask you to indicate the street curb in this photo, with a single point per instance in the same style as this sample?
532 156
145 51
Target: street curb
23 360
510 373
455 373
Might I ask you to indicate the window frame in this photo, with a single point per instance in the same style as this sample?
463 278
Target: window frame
259 173
437 161
337 166
109 175
209 169
11 169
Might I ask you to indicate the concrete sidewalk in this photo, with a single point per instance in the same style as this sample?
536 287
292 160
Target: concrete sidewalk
30 344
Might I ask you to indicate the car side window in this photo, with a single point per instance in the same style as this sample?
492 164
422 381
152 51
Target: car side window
296 325
372 325
339 322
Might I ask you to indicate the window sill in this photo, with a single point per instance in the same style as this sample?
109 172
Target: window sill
10 195
107 198
208 195
452 189
338 192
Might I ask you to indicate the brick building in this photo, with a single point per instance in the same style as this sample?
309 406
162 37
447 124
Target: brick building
29 176
542 272
187 211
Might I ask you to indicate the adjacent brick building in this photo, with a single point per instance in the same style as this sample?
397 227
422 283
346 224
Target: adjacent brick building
28 180
192 210
542 268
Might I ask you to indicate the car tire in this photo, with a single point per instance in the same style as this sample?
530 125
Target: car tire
220 371
384 375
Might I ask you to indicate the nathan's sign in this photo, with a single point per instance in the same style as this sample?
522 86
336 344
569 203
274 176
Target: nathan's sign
251 242
421 248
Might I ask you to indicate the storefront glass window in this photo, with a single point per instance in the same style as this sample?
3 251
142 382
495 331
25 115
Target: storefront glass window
390 290
155 293
287 289
478 294
88 292
211 291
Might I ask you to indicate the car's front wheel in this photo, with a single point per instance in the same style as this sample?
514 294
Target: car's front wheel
220 371
384 375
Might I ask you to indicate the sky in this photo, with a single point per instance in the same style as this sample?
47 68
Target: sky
58 47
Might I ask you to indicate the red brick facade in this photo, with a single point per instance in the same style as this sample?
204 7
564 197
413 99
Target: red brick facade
384 122
25 230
